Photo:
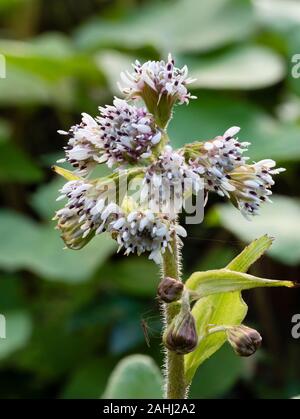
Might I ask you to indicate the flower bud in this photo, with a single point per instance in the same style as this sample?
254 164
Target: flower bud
244 340
181 336
170 290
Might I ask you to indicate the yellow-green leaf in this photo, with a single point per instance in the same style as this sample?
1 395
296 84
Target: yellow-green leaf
224 280
67 174
250 254
218 309
222 308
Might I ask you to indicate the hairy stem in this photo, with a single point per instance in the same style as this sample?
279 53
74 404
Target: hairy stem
175 386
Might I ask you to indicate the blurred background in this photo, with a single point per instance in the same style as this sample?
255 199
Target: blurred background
72 316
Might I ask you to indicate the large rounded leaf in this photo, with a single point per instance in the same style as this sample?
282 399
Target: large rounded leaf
39 248
18 327
135 377
177 26
241 68
280 220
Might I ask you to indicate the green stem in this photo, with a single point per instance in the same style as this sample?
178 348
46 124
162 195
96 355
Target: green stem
175 386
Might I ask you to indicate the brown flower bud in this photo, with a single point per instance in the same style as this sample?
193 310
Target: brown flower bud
170 290
181 336
244 340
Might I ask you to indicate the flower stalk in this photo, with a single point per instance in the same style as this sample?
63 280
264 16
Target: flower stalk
175 385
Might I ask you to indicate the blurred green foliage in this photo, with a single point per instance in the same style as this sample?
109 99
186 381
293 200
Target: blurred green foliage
72 316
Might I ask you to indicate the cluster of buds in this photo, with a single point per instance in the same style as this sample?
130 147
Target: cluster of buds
223 166
181 335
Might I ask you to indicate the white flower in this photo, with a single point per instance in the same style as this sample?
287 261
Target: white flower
253 185
121 134
222 164
168 181
217 158
142 231
88 212
75 220
84 146
128 133
162 77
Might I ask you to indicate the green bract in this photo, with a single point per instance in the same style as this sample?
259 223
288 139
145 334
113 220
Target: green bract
221 302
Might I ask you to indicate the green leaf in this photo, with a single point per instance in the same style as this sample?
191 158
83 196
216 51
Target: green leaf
15 166
224 280
279 14
135 377
160 25
39 249
21 87
199 120
67 174
219 309
50 56
247 67
18 332
280 219
251 253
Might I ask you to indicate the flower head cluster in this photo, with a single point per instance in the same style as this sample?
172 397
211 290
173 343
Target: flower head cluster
75 219
144 231
162 77
223 166
84 147
215 159
89 212
127 135
168 180
121 134
252 185
160 84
